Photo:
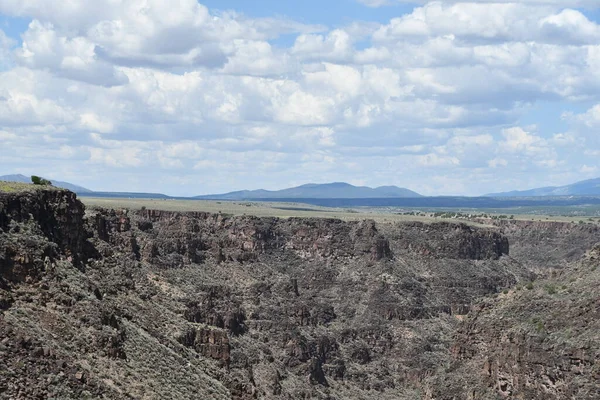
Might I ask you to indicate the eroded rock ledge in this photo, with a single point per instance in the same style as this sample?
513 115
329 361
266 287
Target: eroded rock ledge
192 237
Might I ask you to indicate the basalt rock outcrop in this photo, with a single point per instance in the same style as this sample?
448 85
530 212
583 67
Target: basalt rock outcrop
539 341
208 342
449 241
164 305
174 239
39 227
546 245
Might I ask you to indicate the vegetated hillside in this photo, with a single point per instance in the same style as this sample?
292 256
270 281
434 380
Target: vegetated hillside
27 179
590 187
337 190
162 305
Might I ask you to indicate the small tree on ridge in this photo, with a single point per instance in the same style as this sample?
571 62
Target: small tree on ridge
40 181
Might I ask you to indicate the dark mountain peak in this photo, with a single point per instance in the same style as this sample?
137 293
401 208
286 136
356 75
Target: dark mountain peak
333 190
387 187
16 178
323 185
339 184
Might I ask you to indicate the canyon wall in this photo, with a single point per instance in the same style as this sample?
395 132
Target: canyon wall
157 304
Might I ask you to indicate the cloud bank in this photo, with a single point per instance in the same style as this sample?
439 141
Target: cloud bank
154 95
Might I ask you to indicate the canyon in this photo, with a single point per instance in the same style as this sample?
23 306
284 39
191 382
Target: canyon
153 304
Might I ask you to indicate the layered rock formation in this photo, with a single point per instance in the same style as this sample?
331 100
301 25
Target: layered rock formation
155 304
37 227
539 341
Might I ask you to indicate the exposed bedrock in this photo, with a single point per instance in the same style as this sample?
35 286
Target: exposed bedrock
38 227
156 304
196 236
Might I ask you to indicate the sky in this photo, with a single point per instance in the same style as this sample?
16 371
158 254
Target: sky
188 98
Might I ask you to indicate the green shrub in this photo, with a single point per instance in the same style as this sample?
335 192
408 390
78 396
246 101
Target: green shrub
550 289
529 286
538 324
36 180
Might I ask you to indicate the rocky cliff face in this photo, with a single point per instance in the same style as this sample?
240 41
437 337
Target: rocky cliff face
155 304
173 240
539 341
448 241
547 245
38 228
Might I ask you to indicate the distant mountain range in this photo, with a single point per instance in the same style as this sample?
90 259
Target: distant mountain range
60 184
337 190
322 193
589 187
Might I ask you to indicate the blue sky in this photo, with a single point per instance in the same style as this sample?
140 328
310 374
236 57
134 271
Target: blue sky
332 13
13 27
188 98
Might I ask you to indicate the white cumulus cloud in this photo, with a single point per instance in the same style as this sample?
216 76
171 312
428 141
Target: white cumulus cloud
138 88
